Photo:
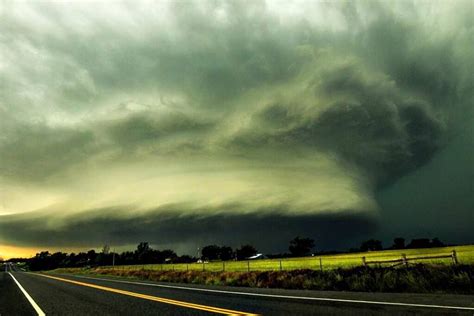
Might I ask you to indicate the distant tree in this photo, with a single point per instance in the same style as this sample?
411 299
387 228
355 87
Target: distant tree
126 257
105 249
300 247
371 245
398 243
210 252
226 253
47 261
420 243
435 242
104 257
143 247
80 260
91 256
245 251
168 255
144 253
54 260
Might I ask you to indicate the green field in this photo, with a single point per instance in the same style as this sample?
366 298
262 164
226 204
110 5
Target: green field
465 255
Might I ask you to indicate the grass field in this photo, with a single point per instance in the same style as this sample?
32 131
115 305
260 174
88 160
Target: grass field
416 278
465 255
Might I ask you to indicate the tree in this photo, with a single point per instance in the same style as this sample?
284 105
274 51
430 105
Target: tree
419 243
425 243
300 247
245 251
91 256
398 243
435 242
143 247
371 245
105 249
143 252
211 252
226 253
104 258
168 255
214 252
126 257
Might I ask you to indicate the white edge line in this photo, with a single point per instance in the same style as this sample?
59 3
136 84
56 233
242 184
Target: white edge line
283 296
30 299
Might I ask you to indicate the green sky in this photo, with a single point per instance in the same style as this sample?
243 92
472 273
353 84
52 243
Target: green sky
173 122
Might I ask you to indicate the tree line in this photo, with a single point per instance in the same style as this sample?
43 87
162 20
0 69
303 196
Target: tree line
399 243
144 254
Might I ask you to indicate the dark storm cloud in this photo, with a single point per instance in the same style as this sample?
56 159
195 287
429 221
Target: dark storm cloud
35 152
186 52
161 227
147 129
366 120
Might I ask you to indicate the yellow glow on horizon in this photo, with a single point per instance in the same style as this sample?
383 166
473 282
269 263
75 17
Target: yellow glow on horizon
7 252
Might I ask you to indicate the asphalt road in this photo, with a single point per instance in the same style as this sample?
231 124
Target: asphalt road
75 295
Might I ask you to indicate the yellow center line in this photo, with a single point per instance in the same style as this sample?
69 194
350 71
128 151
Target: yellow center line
206 308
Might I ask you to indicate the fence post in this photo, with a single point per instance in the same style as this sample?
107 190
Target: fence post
203 267
281 268
364 262
320 264
223 266
161 267
455 257
187 267
248 266
172 267
404 260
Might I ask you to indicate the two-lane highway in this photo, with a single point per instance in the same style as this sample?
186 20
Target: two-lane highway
79 295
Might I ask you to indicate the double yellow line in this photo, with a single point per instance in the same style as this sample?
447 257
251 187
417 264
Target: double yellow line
154 298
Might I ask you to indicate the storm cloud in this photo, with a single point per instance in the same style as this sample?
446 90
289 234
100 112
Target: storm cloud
159 227
146 121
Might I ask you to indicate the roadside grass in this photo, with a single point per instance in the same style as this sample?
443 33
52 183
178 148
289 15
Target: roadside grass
418 278
465 255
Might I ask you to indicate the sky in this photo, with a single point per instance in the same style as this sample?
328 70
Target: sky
185 123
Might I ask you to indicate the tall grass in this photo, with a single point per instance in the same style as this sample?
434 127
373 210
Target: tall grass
418 278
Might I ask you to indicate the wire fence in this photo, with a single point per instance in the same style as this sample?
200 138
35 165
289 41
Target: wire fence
404 260
312 263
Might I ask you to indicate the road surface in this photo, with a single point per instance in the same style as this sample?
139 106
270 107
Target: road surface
23 293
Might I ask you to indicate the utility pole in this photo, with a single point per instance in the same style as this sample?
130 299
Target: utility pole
113 259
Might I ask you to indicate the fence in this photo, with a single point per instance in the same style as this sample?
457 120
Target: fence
285 264
313 263
405 261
